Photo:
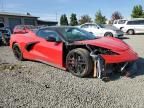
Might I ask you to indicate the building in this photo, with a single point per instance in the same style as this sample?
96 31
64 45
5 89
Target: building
12 19
47 23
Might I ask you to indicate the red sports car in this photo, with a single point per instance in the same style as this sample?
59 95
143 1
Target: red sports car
72 49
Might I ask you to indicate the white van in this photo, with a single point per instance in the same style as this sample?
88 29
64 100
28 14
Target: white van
131 27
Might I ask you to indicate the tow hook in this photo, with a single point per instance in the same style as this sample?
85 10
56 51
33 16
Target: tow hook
124 66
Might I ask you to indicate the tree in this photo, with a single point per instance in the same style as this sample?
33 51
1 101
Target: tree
85 19
116 15
137 12
73 20
63 20
99 18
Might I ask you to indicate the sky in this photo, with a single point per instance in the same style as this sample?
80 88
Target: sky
53 9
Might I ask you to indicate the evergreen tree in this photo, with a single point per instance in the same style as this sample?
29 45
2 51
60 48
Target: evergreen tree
99 18
63 20
137 12
73 20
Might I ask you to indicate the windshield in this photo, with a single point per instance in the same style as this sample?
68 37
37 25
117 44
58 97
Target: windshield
76 34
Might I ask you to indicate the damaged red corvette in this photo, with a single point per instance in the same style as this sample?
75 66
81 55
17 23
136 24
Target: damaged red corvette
72 49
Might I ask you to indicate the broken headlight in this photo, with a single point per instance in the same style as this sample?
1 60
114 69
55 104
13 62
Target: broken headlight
104 51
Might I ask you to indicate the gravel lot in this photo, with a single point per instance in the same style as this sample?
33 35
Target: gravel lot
35 85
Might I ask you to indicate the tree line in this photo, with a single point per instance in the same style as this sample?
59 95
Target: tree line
137 12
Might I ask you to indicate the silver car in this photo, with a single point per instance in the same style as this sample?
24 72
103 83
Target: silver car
102 30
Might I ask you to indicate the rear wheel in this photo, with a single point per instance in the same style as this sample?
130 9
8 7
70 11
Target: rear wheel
130 32
17 52
108 34
79 62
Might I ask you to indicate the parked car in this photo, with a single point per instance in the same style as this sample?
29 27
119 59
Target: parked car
119 23
132 26
4 34
100 30
72 49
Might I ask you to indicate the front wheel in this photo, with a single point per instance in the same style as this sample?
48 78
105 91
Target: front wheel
79 62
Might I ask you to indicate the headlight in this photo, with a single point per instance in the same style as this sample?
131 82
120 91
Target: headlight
104 51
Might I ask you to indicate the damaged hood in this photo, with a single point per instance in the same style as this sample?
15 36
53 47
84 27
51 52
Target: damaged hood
107 42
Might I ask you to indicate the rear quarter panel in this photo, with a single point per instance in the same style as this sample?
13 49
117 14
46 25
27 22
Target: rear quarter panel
22 40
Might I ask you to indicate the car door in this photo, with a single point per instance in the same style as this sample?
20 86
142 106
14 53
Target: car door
92 29
96 30
48 50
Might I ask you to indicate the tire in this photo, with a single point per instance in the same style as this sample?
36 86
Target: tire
130 32
17 52
79 62
108 34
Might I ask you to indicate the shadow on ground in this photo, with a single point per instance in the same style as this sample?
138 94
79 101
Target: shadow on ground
139 33
140 71
135 34
140 66
124 38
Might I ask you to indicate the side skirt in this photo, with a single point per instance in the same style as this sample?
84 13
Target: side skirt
51 64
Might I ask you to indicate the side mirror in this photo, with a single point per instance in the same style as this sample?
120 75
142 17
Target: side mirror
51 39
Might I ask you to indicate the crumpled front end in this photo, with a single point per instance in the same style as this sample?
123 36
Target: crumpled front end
113 61
121 56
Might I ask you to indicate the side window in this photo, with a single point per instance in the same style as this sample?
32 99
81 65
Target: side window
85 26
48 33
121 21
141 22
137 22
93 26
130 23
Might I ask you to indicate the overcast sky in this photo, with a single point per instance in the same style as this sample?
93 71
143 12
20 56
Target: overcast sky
49 9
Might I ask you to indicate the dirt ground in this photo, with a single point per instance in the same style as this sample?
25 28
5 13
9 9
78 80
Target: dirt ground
36 85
